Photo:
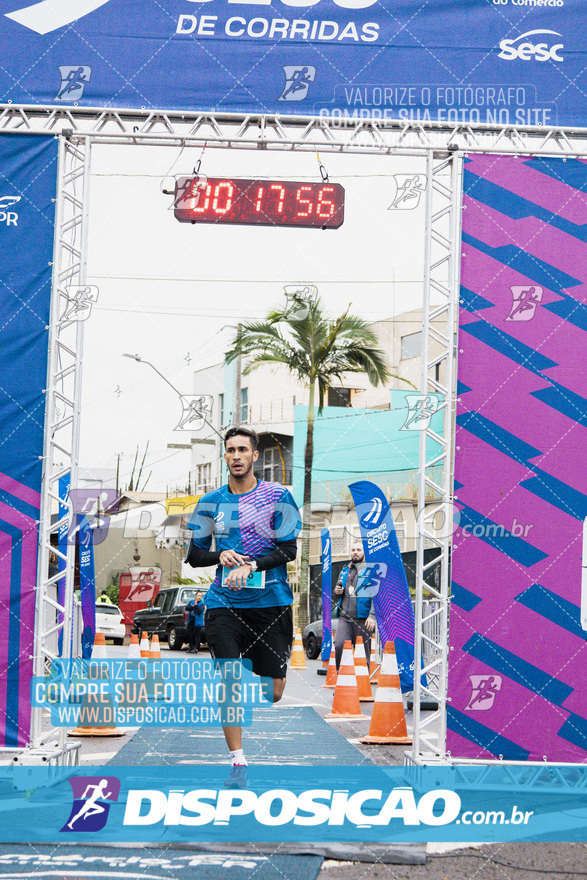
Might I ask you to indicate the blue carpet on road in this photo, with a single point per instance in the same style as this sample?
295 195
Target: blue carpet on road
148 863
277 736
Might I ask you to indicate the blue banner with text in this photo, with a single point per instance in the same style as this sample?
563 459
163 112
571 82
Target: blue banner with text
507 62
293 804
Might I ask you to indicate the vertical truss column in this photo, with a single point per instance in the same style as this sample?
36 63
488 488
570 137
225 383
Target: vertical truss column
438 382
62 423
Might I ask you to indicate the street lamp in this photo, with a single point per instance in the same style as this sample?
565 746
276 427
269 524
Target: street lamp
140 360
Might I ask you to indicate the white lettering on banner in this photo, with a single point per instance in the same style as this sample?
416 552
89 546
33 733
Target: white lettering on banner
187 24
49 15
278 28
377 537
502 105
8 217
529 51
281 807
529 2
344 4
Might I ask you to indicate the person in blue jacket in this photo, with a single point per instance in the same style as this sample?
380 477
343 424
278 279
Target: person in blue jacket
355 612
195 609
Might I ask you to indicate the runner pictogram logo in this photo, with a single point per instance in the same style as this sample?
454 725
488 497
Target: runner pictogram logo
91 797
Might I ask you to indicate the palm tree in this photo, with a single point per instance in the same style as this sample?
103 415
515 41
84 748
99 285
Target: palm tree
317 350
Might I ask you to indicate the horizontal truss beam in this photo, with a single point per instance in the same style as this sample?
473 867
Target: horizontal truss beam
276 132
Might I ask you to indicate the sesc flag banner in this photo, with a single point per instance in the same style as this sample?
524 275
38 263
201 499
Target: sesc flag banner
85 538
326 594
384 577
62 540
28 183
504 62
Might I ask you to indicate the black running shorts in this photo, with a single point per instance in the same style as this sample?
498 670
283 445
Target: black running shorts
262 635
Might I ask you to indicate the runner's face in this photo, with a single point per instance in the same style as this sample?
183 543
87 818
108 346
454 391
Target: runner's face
239 456
357 554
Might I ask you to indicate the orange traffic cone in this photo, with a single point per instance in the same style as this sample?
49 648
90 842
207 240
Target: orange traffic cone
154 677
375 670
345 704
99 649
91 709
298 658
388 721
330 681
144 646
155 652
134 652
362 672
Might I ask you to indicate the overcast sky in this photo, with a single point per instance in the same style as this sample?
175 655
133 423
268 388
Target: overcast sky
167 291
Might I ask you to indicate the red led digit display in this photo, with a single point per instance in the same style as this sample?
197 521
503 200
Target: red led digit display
259 202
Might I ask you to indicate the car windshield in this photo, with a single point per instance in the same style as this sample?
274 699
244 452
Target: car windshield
103 608
187 596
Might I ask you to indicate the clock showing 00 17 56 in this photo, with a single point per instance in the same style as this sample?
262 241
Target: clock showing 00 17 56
248 202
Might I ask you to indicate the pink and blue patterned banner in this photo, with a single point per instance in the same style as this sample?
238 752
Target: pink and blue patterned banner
517 682
326 558
28 174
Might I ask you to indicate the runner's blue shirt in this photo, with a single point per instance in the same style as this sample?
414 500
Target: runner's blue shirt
253 524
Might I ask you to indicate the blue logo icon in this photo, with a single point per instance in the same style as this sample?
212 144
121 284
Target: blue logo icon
90 802
297 82
73 82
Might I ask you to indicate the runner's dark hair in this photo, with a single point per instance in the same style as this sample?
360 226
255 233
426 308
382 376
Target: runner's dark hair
245 432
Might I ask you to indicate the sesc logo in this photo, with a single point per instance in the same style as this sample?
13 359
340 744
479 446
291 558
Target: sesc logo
530 51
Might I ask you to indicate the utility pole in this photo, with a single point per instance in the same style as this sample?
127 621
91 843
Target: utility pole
237 382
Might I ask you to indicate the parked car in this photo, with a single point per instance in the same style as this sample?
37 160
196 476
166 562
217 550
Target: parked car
312 638
110 621
166 616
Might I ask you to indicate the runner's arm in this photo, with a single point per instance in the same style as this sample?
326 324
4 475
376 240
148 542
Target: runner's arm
200 558
284 552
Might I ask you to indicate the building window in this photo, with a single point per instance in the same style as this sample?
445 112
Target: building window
400 531
271 465
412 345
244 404
204 478
339 397
221 410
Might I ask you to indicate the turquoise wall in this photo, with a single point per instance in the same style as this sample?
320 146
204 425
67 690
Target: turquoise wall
353 444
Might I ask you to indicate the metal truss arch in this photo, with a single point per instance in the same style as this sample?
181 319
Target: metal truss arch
444 146
54 607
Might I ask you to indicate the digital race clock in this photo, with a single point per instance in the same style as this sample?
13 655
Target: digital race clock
259 202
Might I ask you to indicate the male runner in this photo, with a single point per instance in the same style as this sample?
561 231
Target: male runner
255 525
355 612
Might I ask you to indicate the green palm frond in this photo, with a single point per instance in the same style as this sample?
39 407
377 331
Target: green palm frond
317 349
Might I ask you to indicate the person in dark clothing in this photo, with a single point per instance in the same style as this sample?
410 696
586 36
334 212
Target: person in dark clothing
355 612
195 609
